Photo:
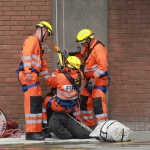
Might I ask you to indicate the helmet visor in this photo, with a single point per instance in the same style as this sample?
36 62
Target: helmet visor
81 41
84 39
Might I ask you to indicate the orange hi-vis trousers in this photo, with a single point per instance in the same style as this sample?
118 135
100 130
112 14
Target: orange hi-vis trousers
93 107
32 104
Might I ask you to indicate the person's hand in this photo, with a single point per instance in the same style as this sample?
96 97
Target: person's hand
77 50
91 84
28 76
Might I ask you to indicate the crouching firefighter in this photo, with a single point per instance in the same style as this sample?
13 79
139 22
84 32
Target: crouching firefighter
33 63
65 102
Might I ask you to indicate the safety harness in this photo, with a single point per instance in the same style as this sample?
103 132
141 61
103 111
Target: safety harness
89 52
76 83
69 103
24 86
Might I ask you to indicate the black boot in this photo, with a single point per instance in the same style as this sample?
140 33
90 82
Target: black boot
34 136
46 135
46 131
92 127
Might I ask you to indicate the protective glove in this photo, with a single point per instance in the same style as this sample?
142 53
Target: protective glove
46 130
77 50
91 84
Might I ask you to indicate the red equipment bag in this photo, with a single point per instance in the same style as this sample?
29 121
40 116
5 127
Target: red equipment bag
11 126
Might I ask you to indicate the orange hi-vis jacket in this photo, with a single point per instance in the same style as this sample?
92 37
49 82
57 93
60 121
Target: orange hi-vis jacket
65 93
95 66
32 58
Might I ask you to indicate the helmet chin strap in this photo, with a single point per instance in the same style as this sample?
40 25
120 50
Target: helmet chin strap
88 43
42 36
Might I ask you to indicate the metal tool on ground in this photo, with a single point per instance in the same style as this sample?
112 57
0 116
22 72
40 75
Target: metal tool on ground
81 124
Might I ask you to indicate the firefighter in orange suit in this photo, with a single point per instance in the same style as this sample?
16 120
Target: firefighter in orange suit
67 84
33 63
66 98
94 57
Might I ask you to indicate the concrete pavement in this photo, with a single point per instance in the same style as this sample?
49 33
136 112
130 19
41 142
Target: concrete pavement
135 137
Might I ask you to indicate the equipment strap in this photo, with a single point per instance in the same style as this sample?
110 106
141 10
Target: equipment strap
26 87
103 88
66 104
33 70
104 74
89 52
68 76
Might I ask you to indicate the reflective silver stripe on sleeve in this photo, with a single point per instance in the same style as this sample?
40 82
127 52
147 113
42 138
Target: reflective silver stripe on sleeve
27 64
53 75
26 58
93 68
36 64
36 57
44 72
98 72
46 77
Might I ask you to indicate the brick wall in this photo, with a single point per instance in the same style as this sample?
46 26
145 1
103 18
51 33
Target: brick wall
128 46
129 62
17 21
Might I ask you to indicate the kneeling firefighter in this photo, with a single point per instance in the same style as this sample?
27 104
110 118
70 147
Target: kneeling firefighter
64 103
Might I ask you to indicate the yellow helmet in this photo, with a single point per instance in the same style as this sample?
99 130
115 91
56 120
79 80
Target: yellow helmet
73 62
83 35
46 25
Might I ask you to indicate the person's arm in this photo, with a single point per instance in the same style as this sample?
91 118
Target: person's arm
101 57
44 71
27 51
53 79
